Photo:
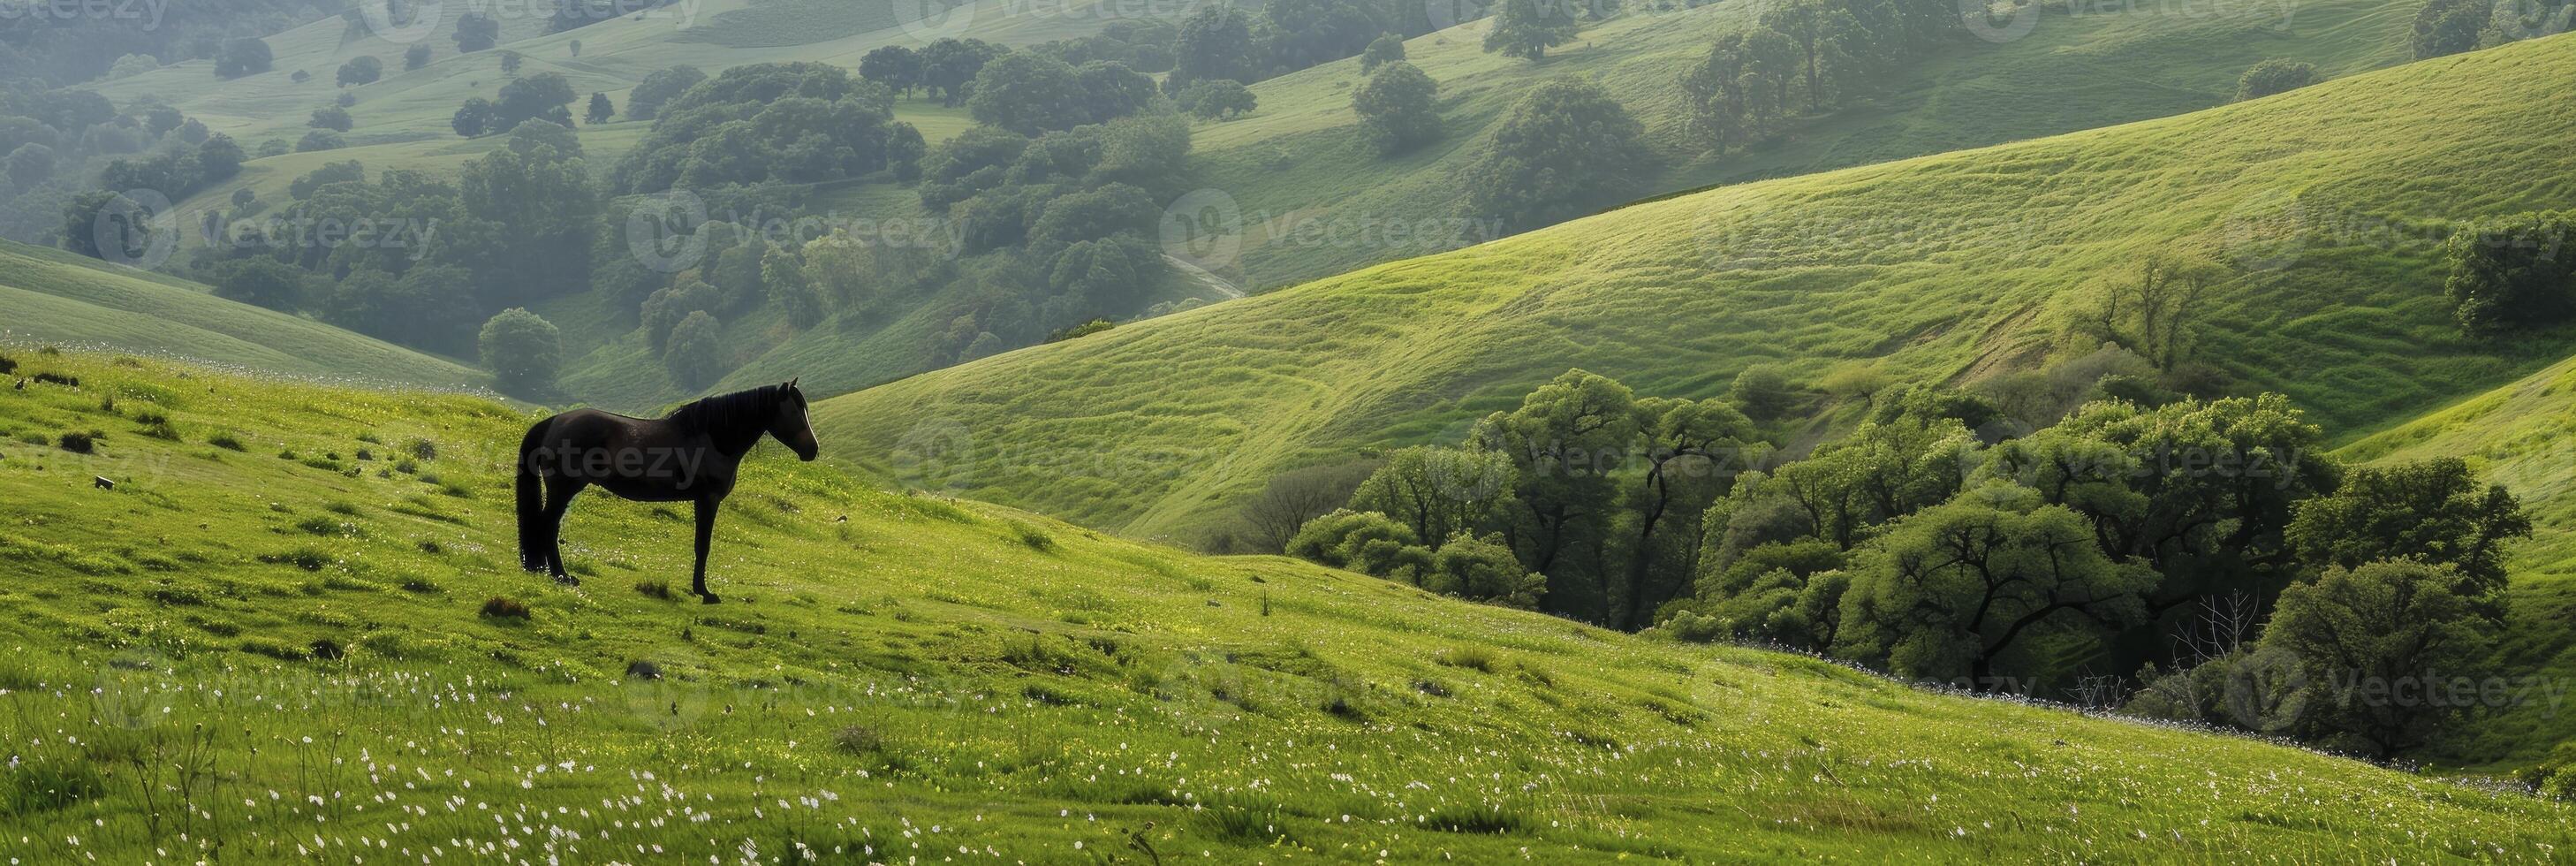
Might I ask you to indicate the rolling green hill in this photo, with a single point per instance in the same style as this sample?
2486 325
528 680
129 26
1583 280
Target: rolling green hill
57 297
1307 200
2320 205
2521 435
1301 161
267 637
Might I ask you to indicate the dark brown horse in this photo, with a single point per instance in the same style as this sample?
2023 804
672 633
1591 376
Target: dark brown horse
688 456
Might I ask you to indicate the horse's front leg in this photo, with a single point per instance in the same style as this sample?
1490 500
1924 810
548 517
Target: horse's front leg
559 500
706 533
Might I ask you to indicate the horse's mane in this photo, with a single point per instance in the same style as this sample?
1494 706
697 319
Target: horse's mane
726 410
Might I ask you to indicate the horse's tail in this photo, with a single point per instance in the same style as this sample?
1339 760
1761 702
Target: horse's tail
534 535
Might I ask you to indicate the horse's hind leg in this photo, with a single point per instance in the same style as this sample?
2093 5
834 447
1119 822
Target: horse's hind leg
559 494
706 533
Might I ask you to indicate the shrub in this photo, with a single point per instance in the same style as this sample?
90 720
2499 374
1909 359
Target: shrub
2506 273
523 351
1474 658
643 670
1762 391
1565 147
1397 108
504 607
78 443
1035 538
1217 99
327 649
1363 541
226 441
2275 75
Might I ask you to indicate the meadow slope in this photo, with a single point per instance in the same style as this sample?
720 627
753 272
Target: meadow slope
2523 436
57 297
265 643
1307 199
1308 188
2322 206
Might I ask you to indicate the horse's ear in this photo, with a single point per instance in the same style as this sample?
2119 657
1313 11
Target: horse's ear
791 383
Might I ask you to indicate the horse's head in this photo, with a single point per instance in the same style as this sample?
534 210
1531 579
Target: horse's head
791 426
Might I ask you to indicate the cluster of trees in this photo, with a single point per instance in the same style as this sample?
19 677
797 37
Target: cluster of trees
944 69
770 122
363 69
1567 146
1805 55
2274 75
248 55
1927 543
1597 491
2454 26
518 226
52 140
1073 214
58 50
544 96
1056 86
682 317
1229 43
1210 56
1398 108
2511 272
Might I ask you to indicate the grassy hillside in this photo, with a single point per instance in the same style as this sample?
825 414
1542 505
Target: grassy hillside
57 297
1309 201
1300 159
276 649
2523 436
2320 204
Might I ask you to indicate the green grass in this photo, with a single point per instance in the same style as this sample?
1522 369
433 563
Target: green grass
1937 269
232 648
1299 158
2522 436
1293 165
57 297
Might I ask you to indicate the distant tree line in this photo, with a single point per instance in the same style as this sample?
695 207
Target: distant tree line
51 141
57 50
517 227
770 122
1804 56
2444 27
